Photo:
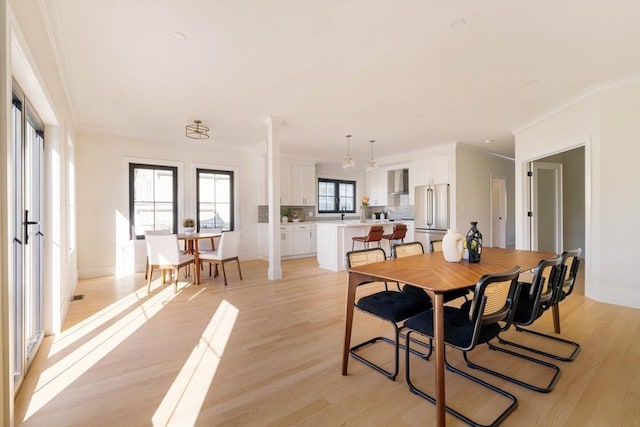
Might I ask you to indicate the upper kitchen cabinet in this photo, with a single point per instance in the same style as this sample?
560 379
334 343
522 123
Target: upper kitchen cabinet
297 184
377 187
434 170
303 185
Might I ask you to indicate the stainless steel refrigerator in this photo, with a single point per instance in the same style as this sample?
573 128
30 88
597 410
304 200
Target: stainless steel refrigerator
431 213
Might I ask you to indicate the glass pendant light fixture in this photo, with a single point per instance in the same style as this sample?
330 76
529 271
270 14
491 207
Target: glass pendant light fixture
372 163
348 162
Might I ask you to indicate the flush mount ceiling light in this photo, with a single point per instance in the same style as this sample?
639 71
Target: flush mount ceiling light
197 130
348 162
372 163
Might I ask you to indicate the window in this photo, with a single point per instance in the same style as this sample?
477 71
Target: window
153 195
335 196
214 189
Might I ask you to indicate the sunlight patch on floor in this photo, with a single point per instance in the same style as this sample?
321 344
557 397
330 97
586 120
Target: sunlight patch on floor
182 403
59 376
80 329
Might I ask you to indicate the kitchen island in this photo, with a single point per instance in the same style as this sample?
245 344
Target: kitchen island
334 240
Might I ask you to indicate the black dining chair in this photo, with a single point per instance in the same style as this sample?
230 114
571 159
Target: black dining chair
531 300
561 289
390 306
494 297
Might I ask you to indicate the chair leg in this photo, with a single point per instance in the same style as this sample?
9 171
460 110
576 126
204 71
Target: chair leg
146 268
397 346
574 345
555 310
417 391
239 270
541 389
149 276
224 273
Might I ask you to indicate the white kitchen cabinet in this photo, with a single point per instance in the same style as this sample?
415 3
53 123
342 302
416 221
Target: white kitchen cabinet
297 184
286 241
296 239
285 184
377 187
303 185
303 238
434 170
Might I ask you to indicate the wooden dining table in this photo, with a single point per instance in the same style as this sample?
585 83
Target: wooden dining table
436 276
191 246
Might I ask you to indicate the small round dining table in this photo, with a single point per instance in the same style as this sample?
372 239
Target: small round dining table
191 246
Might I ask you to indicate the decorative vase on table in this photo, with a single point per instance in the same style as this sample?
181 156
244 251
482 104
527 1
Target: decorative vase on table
474 242
452 245
189 230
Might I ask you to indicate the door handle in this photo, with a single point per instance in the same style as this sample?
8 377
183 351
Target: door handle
26 224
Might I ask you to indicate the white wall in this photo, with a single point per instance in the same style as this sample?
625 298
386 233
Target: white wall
104 244
607 125
474 170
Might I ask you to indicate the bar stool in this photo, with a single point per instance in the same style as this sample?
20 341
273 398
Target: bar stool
399 233
375 235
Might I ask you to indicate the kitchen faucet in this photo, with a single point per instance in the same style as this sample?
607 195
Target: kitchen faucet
342 211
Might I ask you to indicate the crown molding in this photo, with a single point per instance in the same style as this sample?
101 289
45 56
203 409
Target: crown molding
580 97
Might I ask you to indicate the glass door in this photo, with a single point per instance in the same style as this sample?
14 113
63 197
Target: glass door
28 238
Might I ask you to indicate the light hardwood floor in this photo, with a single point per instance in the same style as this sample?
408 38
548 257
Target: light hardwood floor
268 353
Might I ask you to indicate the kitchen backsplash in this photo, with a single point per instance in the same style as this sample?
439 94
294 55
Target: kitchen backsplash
306 213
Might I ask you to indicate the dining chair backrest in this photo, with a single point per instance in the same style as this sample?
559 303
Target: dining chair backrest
365 256
436 246
494 296
571 262
155 233
408 249
537 296
229 245
163 249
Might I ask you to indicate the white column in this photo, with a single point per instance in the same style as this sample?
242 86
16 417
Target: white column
273 199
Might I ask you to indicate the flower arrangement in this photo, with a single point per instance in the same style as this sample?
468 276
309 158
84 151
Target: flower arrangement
188 222
365 201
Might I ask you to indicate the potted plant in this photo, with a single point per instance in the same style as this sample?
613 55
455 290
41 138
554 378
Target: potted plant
189 225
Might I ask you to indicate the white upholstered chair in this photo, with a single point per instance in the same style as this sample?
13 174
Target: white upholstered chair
164 253
151 233
227 250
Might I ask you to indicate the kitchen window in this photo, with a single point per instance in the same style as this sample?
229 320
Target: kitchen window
153 198
335 196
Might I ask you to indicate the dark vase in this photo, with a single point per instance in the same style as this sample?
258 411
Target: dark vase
474 242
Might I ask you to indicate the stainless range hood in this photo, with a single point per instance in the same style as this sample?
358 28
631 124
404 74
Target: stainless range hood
400 180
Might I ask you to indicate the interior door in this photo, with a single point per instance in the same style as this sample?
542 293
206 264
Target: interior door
28 239
546 206
498 213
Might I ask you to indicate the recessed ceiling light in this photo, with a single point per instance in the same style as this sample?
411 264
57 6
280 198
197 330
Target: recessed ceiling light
489 141
179 36
457 23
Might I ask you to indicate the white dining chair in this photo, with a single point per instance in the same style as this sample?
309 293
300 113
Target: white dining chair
165 254
228 248
152 233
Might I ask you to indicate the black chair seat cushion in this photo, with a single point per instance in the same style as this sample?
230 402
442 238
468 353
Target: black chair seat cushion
393 305
458 329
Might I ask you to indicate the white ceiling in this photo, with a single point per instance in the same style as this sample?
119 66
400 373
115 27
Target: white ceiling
394 71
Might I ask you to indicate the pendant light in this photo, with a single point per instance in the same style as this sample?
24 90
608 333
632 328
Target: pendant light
372 163
197 130
348 162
